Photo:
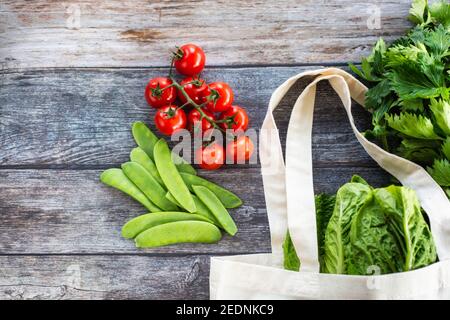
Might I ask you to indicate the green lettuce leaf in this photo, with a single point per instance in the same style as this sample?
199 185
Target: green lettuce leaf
291 260
420 151
365 72
416 126
440 13
419 11
441 112
420 77
402 208
375 97
446 148
414 105
372 67
324 209
349 199
440 171
358 179
437 41
374 248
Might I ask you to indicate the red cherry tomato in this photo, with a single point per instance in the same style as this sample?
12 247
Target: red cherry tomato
220 97
189 60
235 118
194 120
240 150
156 94
210 157
195 89
170 119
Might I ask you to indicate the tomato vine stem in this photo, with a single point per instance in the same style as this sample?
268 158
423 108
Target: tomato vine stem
196 106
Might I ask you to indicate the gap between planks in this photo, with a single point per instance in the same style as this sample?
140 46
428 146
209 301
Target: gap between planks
129 254
240 66
113 165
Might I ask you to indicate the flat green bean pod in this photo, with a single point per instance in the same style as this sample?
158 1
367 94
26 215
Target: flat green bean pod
228 199
171 198
215 205
183 166
201 208
138 155
178 232
148 185
144 137
146 140
171 177
117 179
139 224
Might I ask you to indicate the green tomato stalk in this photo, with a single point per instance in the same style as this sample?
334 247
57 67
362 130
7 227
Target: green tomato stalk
198 107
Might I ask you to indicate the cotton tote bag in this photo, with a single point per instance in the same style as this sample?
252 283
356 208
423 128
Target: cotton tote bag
289 195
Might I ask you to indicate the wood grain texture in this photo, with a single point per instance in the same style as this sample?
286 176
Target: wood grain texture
80 119
104 277
70 211
46 33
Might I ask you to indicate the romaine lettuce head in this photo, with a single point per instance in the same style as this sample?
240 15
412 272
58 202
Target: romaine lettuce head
350 198
373 248
402 209
377 231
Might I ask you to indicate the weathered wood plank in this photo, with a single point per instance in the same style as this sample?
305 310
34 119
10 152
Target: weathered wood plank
70 211
55 211
82 118
45 33
104 277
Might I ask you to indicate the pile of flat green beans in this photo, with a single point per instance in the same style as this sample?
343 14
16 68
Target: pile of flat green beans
183 206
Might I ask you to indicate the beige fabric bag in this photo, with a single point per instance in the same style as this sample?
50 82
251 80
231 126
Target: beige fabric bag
290 204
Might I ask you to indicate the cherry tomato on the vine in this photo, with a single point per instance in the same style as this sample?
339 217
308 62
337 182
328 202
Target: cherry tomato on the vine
240 150
211 157
158 93
234 118
189 59
194 120
219 96
195 89
170 119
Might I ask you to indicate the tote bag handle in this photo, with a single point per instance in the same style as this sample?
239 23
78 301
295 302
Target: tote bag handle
289 188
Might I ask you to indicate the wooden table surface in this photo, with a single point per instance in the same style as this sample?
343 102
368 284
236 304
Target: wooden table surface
72 78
